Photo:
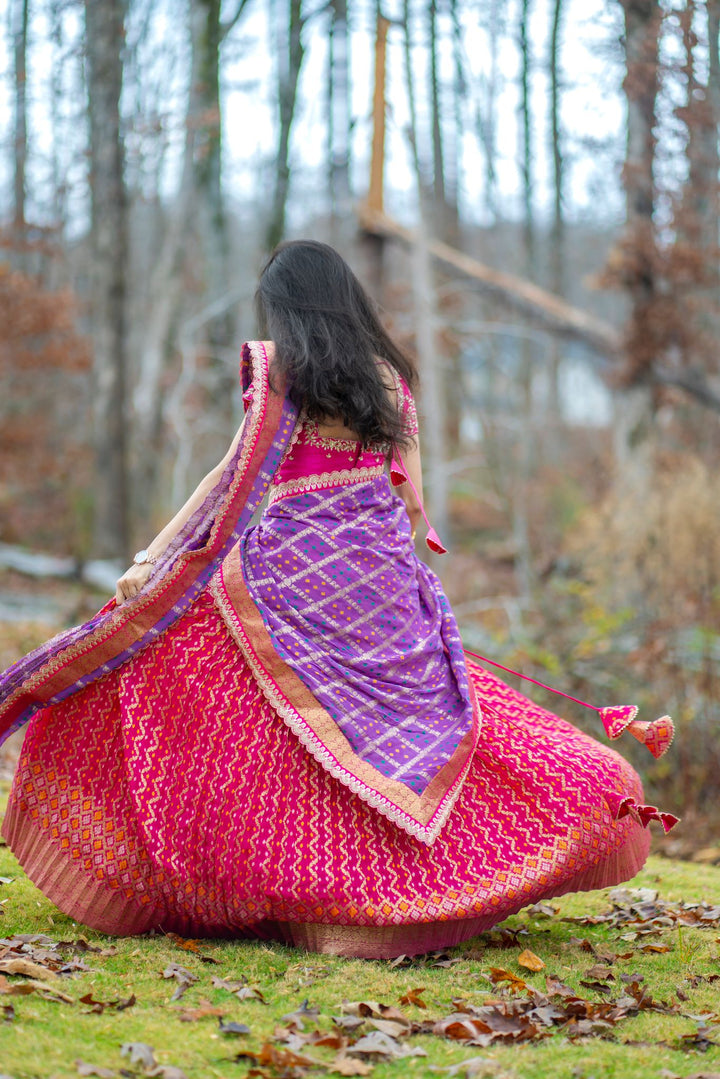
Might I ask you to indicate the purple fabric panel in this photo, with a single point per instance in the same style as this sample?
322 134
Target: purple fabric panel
364 624
192 536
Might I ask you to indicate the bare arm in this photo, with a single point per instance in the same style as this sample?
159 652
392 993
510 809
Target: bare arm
410 454
411 459
135 577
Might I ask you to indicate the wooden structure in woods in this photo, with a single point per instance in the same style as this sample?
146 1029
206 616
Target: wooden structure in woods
553 311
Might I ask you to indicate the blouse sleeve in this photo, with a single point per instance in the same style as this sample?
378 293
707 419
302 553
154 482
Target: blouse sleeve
406 403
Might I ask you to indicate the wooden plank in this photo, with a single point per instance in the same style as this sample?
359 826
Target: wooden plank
556 313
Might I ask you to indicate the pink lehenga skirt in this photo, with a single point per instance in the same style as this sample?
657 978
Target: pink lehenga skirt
170 793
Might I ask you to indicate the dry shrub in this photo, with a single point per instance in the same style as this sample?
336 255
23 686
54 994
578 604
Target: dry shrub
660 563
665 553
45 458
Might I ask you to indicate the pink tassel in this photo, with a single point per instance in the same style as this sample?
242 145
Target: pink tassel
399 475
668 821
619 807
617 718
657 736
434 542
398 471
622 807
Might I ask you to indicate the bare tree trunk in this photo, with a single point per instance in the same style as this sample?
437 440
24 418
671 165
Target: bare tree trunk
104 28
453 177
56 90
557 234
210 217
339 123
372 245
432 403
198 220
205 117
634 407
289 64
441 209
526 434
713 33
485 115
701 193
20 36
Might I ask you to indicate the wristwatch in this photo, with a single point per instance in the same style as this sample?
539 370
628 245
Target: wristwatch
144 557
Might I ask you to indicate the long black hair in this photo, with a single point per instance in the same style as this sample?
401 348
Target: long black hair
328 337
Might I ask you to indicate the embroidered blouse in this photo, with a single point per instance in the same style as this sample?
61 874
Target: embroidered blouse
314 461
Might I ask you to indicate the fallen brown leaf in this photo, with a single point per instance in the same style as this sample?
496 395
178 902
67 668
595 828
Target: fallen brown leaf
205 1010
348 1022
270 1056
557 988
298 1017
413 997
389 1026
600 972
27 968
457 1027
139 1053
183 977
223 983
345 1065
93 1069
542 910
530 961
97 1007
583 943
247 992
367 1009
382 1045
233 1028
191 946
498 975
598 987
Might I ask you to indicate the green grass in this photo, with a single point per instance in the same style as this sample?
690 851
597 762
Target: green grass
46 1038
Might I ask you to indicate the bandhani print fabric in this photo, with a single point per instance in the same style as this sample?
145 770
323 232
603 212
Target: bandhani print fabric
305 754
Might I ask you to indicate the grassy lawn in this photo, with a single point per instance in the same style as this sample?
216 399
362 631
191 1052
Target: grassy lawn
46 1037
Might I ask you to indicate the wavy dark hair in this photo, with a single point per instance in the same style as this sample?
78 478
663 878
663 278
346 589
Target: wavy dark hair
327 337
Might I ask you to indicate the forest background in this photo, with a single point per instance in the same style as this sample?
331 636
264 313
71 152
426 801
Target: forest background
530 190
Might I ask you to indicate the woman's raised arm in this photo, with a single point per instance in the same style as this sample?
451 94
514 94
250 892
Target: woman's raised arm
135 577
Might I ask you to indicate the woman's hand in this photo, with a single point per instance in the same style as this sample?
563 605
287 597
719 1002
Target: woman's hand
132 581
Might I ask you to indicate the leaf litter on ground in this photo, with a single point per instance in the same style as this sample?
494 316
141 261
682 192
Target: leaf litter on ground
368 1032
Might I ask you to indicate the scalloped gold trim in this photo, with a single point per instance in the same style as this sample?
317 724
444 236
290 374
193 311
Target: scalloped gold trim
344 477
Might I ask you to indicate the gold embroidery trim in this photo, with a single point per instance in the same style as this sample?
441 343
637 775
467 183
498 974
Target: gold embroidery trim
346 476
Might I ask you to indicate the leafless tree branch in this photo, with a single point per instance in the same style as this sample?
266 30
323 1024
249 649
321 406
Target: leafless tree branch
231 23
692 382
